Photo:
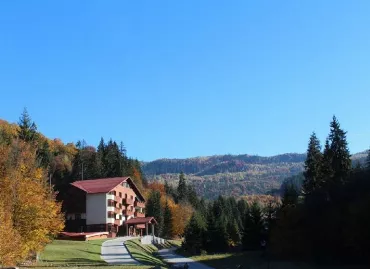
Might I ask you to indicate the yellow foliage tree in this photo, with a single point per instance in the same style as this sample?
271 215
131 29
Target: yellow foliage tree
181 214
31 213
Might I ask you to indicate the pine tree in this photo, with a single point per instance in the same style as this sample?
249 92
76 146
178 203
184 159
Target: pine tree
341 158
27 128
194 236
234 232
312 165
326 167
290 196
182 189
154 208
253 228
167 222
192 196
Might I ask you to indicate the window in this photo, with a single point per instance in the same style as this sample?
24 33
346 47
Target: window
110 214
120 194
77 216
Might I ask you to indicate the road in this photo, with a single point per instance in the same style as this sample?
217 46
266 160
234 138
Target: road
115 252
171 257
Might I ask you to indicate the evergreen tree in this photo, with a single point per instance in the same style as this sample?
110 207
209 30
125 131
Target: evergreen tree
253 228
290 196
367 164
312 166
341 158
154 208
194 236
182 189
27 128
192 196
43 154
112 160
234 232
243 211
167 222
326 167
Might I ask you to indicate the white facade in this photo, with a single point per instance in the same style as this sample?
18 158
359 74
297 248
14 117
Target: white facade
96 208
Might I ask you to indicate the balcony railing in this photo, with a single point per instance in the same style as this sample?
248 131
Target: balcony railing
128 201
139 214
139 204
128 212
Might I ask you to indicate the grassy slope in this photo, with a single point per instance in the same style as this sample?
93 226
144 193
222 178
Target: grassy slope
145 254
62 253
253 260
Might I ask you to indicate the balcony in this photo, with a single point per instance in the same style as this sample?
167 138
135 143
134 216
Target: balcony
139 214
139 204
128 212
128 201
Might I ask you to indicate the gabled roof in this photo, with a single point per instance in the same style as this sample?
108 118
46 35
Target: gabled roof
141 220
100 185
104 185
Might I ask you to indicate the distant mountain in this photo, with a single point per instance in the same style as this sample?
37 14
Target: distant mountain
231 174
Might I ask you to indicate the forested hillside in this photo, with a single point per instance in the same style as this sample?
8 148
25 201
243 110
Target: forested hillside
231 174
66 163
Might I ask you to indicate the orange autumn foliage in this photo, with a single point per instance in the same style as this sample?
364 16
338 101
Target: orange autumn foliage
30 214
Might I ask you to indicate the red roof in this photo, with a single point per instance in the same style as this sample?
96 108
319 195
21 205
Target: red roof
101 185
141 220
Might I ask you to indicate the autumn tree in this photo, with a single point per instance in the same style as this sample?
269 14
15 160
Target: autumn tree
24 192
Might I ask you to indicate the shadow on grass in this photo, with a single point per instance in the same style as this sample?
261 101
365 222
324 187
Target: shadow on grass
144 255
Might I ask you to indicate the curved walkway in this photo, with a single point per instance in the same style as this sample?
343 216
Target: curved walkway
169 256
115 252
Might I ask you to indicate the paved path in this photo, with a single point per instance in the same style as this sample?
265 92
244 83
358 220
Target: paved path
115 252
171 257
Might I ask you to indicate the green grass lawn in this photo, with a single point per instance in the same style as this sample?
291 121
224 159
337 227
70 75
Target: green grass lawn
74 254
145 254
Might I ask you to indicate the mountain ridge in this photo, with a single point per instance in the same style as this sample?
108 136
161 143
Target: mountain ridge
228 174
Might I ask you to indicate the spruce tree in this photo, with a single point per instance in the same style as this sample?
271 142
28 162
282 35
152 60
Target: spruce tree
27 128
326 165
182 189
194 235
167 230
234 232
192 197
312 165
253 228
341 158
290 196
154 209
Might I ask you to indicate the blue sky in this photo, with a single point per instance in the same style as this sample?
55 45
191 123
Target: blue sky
188 78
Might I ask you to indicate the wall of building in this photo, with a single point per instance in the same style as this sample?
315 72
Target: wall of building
96 208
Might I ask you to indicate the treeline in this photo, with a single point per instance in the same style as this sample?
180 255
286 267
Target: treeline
324 214
328 219
172 206
67 163
216 164
227 224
